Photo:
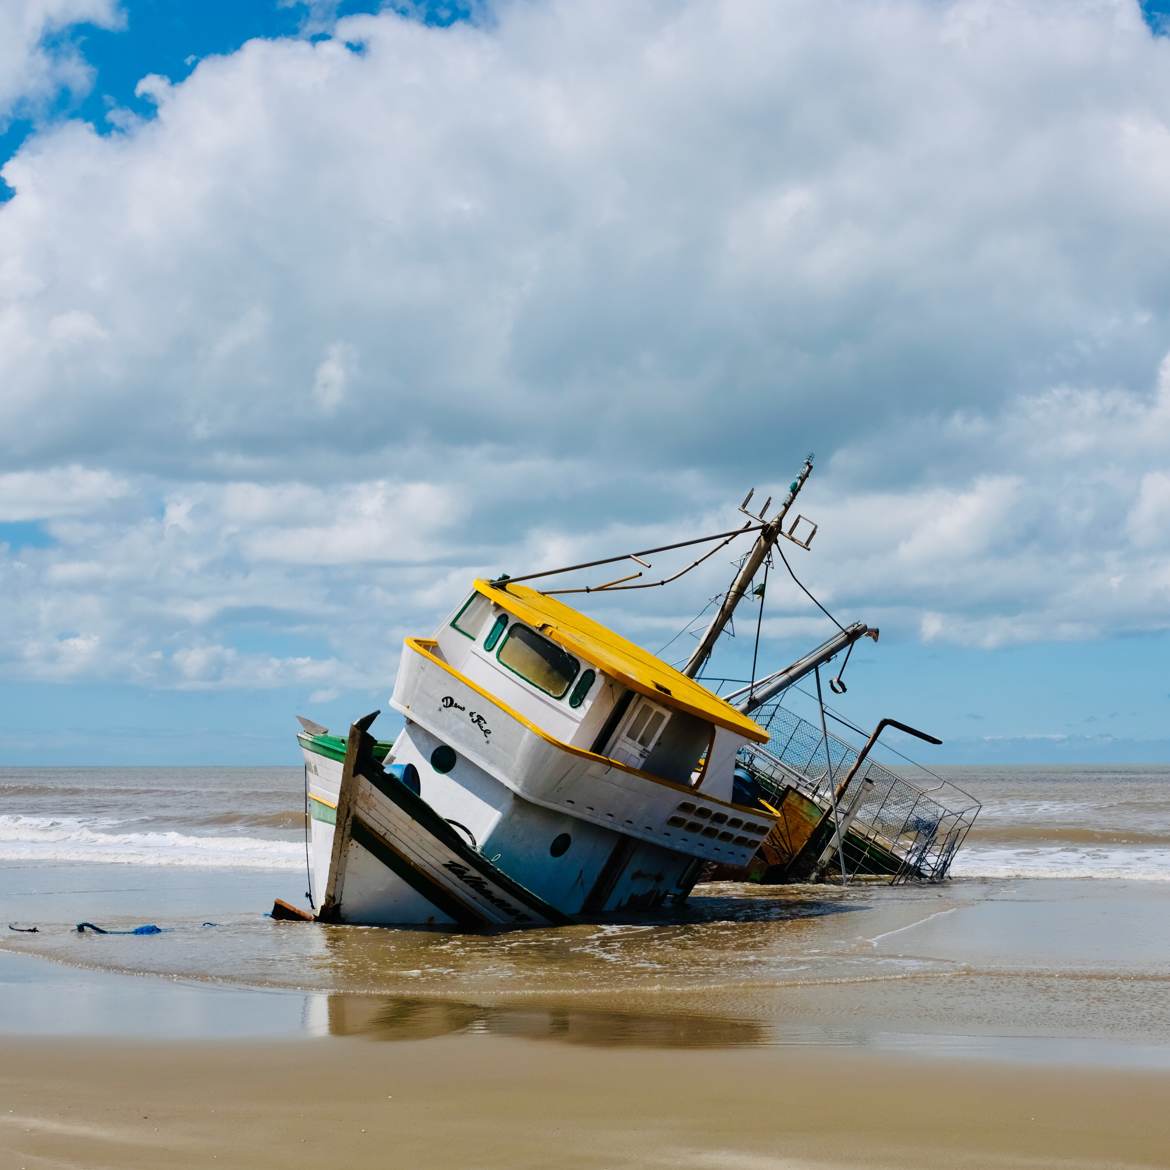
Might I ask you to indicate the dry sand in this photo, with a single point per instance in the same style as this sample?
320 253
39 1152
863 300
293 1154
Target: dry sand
489 1101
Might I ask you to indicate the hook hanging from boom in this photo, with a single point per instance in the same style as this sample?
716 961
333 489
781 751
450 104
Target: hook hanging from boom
750 698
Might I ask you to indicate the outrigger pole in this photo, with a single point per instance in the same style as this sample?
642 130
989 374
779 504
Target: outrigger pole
756 694
770 532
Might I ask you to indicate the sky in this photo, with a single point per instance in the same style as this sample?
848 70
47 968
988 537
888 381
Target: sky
312 312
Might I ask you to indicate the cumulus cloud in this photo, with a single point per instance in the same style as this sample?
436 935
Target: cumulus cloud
37 59
357 317
613 214
61 491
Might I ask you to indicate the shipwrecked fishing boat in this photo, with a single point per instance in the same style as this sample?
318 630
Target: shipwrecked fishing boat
551 771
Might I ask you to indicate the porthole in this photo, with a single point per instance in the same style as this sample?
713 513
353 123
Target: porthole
560 844
443 758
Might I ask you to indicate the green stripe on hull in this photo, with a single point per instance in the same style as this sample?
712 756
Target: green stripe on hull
320 811
332 747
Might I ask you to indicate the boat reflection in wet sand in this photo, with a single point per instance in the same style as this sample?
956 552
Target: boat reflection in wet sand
396 1018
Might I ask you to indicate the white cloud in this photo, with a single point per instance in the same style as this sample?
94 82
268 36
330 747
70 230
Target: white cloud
33 72
61 491
207 666
339 328
375 521
608 217
1149 519
1056 526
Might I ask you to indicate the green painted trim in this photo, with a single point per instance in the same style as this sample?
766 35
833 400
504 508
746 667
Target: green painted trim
332 747
582 687
462 610
320 811
493 635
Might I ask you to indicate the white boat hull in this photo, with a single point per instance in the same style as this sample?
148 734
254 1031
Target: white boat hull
395 861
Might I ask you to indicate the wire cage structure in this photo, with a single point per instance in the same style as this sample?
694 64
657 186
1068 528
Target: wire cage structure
883 825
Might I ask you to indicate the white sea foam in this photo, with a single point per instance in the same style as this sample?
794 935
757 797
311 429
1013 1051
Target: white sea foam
94 839
1005 809
1108 862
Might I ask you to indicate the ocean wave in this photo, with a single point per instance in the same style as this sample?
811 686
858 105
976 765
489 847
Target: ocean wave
1056 836
105 791
285 819
24 838
1114 862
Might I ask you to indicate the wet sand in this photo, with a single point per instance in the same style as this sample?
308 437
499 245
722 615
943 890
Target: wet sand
474 1101
983 1024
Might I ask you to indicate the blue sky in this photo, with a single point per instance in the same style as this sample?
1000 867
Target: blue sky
311 312
169 38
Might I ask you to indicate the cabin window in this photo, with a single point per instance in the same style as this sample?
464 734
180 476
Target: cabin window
647 725
489 643
541 662
582 688
469 621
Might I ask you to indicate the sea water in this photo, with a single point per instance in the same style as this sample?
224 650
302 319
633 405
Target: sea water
1055 924
1066 822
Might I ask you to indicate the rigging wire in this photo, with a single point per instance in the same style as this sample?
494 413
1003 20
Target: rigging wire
644 552
807 592
759 624
618 587
710 602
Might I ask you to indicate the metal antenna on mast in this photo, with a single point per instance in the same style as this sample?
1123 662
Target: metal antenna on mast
769 533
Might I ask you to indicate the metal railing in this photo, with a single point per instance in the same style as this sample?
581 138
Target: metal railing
890 826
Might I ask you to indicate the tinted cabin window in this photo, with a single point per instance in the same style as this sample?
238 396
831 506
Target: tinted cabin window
541 662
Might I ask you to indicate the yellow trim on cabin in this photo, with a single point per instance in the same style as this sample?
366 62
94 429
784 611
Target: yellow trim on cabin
419 646
321 800
619 658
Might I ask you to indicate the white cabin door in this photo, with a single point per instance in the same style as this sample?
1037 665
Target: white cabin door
639 732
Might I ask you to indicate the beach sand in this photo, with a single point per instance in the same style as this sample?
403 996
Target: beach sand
1001 1020
486 1101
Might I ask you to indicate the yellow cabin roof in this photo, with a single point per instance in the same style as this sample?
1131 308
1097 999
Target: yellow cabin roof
620 659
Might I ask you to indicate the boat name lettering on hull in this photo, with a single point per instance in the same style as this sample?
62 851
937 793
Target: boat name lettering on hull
447 703
475 882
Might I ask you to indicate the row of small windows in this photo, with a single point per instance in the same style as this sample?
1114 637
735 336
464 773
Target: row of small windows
526 653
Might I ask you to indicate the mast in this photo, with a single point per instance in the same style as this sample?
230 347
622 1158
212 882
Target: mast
769 534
